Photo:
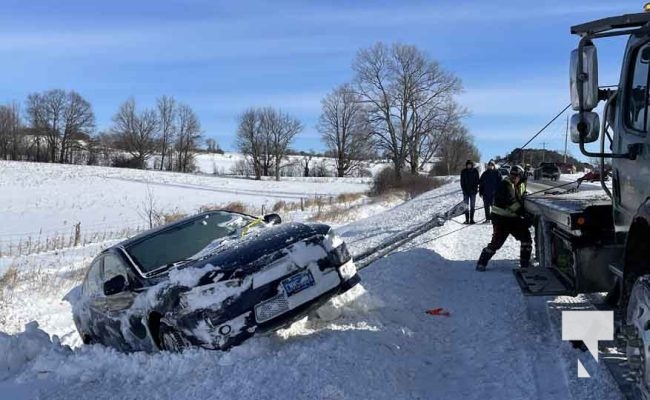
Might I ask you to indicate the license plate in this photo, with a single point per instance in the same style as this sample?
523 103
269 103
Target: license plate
298 282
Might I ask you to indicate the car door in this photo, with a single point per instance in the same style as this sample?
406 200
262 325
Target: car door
86 317
114 306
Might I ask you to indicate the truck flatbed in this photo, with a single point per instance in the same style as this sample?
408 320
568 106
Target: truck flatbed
573 212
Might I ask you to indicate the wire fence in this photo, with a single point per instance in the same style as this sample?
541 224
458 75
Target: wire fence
26 243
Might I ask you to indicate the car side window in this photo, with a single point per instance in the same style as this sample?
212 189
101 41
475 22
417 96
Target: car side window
114 266
637 117
93 281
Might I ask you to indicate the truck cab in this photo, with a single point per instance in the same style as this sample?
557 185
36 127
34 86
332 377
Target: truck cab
599 242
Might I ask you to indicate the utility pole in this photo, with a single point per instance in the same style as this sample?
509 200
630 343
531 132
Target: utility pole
566 136
543 151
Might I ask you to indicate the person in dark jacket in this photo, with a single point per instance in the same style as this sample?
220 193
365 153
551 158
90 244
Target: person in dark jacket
487 187
508 219
469 184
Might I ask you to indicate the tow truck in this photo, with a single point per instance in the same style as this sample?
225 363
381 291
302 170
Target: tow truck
599 241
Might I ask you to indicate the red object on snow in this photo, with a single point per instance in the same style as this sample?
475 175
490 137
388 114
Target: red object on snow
438 311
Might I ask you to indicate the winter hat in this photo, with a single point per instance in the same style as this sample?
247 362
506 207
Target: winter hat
469 162
491 162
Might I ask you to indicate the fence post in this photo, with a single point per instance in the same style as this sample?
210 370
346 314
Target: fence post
302 204
77 234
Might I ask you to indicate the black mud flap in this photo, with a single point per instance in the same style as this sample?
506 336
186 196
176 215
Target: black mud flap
539 281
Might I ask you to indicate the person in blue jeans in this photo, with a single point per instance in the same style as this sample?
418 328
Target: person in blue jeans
487 187
469 181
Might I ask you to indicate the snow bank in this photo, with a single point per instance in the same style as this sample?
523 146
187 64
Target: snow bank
20 350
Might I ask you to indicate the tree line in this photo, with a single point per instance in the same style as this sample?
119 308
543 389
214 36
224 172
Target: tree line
58 126
400 103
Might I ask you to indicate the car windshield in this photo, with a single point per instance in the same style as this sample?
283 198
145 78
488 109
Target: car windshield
187 239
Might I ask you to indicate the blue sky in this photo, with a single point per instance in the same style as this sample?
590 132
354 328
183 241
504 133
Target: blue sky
221 57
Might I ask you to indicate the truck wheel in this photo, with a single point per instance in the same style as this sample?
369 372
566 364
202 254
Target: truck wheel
637 335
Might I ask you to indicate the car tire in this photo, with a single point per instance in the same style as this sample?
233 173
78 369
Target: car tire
171 339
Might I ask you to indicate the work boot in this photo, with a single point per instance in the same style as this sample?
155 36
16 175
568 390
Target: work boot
471 218
483 260
524 255
466 217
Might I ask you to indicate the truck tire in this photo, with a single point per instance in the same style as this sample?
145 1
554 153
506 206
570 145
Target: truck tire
637 335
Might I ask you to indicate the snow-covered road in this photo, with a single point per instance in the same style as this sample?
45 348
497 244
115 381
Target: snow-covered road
377 341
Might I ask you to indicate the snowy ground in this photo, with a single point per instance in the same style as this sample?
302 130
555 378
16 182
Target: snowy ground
41 201
381 345
223 164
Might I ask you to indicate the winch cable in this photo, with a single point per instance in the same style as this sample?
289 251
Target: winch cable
546 126
578 181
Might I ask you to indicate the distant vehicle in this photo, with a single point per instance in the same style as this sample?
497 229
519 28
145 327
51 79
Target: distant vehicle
547 170
504 170
593 176
211 280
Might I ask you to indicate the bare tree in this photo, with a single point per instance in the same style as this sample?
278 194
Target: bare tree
250 141
167 114
344 127
10 128
264 135
45 111
306 159
279 129
212 145
403 90
78 123
189 133
135 133
456 147
429 143
61 118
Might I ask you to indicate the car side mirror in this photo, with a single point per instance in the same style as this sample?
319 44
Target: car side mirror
116 284
272 219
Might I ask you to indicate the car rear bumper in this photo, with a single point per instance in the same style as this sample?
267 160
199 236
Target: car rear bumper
212 331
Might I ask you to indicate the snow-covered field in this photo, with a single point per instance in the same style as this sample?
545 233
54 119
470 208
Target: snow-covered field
223 164
377 342
40 201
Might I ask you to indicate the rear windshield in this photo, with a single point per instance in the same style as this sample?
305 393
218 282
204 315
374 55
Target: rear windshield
185 240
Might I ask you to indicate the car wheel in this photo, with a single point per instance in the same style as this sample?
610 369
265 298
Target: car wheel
171 339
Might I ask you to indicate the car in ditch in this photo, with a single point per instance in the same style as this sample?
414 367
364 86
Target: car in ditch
211 280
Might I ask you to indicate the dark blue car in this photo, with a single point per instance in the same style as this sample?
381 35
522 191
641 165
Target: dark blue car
211 280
